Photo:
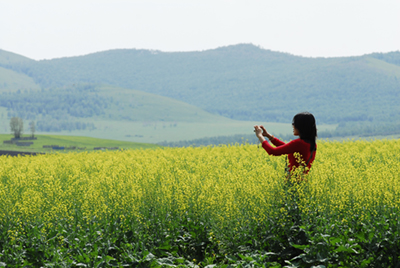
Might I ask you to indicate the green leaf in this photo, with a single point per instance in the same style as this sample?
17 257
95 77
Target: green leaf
365 263
231 258
334 240
343 249
245 258
361 237
165 261
298 257
179 260
109 258
149 257
165 247
371 235
291 265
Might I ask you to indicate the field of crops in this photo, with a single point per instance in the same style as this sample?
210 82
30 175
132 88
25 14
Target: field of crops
226 206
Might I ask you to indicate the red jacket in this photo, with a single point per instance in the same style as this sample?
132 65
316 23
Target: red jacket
297 145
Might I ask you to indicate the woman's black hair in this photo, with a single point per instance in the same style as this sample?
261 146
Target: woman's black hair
305 123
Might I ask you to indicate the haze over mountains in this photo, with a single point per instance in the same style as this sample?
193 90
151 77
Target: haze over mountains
239 82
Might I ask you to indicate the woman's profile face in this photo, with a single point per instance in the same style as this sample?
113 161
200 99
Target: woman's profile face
295 131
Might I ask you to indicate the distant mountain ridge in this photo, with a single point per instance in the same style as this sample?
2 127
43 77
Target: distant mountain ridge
241 81
9 59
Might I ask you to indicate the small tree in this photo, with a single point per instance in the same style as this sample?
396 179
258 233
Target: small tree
32 128
17 126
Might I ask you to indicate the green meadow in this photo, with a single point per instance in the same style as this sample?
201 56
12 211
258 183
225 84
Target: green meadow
81 144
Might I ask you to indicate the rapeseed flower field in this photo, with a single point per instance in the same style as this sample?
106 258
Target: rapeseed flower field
229 206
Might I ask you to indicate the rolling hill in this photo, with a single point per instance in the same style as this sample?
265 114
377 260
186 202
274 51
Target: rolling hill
117 113
240 82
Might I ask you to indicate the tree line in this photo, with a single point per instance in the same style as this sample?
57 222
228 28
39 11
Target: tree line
343 130
75 101
56 109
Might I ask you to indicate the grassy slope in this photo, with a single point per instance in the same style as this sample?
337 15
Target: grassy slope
68 141
135 105
389 68
13 81
10 58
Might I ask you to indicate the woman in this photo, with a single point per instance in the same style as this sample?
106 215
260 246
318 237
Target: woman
303 126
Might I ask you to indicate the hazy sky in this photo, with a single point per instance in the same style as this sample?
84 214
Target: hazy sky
43 29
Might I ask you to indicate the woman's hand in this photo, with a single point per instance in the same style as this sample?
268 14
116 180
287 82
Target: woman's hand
266 134
259 133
